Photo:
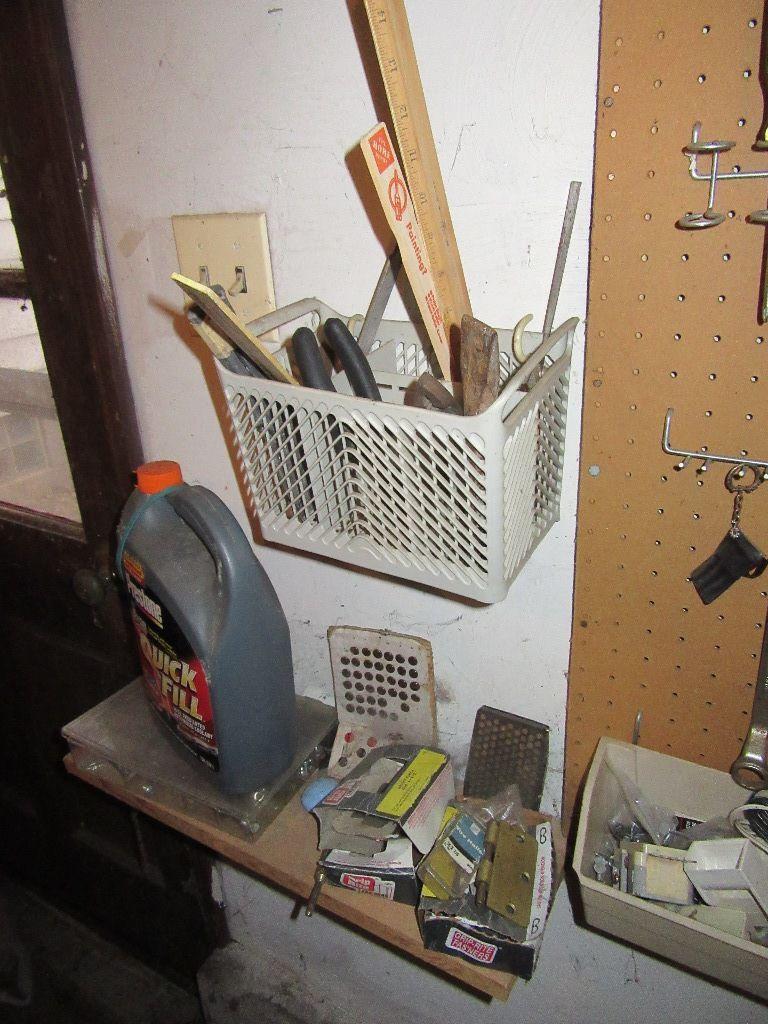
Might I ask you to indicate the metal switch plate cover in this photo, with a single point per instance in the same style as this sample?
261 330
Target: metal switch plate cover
507 749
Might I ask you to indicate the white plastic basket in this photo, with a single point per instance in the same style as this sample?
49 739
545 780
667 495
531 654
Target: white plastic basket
451 502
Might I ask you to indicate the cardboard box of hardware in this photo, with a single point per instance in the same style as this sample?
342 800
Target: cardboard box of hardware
374 822
391 873
459 928
397 789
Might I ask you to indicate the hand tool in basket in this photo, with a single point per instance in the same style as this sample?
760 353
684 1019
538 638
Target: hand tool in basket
230 327
750 769
314 373
235 361
479 365
231 358
569 218
429 393
378 304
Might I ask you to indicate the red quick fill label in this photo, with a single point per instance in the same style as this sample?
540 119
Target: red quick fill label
174 677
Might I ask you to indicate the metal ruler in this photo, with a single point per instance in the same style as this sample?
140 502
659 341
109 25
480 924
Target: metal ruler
397 60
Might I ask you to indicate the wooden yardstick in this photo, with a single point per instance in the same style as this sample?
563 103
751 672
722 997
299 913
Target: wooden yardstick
397 205
397 60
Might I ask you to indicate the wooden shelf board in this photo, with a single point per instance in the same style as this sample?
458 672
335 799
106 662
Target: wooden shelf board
285 854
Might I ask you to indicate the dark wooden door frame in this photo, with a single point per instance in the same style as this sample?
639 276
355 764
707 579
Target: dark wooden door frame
51 191
46 167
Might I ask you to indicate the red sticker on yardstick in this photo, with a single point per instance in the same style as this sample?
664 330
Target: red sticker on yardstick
381 149
398 195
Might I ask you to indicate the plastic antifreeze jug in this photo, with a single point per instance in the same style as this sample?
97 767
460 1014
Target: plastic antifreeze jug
213 639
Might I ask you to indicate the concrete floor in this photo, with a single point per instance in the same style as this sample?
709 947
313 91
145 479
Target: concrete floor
317 970
281 970
74 976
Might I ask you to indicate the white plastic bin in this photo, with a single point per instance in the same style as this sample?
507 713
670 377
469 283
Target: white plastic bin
691 791
451 502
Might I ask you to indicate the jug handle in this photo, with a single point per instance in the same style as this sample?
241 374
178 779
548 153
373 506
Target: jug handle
210 519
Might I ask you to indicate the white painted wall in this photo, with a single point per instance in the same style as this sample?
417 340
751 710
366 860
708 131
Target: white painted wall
193 107
243 105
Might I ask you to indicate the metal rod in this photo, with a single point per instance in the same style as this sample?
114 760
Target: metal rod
713 182
379 300
728 176
705 456
562 255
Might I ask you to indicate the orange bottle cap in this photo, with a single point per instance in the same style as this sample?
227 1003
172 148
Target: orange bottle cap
156 476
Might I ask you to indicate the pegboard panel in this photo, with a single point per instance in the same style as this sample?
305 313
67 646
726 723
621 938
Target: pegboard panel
672 321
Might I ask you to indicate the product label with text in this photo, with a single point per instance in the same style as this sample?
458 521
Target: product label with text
483 952
369 883
174 677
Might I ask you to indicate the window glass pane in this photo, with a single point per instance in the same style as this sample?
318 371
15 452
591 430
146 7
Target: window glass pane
34 471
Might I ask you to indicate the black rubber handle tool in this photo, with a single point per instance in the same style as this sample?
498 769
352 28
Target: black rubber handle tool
309 360
356 366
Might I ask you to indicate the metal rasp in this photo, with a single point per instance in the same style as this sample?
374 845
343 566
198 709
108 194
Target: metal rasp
507 749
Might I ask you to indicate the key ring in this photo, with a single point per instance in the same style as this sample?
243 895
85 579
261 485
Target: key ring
735 474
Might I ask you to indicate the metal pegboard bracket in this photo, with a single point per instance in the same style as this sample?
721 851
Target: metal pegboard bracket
703 454
696 148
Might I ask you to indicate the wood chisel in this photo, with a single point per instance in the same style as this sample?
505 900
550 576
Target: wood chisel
397 205
397 60
479 365
228 325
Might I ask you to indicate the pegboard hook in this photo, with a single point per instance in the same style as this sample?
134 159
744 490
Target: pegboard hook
704 455
760 217
695 149
637 726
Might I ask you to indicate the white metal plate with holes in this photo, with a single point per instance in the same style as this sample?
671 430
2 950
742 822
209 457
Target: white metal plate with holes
222 242
384 686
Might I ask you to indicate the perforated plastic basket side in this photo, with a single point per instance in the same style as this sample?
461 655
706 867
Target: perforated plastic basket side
451 502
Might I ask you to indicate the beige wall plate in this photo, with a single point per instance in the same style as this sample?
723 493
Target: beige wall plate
222 242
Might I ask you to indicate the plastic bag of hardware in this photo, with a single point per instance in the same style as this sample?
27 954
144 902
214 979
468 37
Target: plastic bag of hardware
714 828
450 866
505 805
604 863
637 814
